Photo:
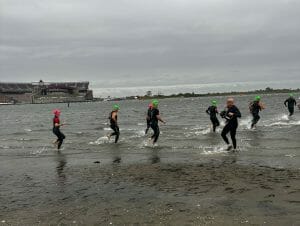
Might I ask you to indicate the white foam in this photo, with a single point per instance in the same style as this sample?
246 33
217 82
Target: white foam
100 140
148 143
212 150
290 156
28 130
205 131
39 151
138 133
106 129
246 122
284 117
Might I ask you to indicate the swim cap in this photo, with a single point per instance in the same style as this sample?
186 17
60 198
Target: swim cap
214 103
116 107
257 98
56 112
154 103
291 94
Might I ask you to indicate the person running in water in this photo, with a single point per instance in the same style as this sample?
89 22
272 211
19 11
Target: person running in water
213 111
255 107
114 123
148 118
290 103
56 129
155 117
231 114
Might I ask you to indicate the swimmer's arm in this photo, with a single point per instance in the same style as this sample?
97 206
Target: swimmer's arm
238 113
113 117
58 125
160 119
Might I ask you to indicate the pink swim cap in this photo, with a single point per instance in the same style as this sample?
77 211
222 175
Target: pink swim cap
56 112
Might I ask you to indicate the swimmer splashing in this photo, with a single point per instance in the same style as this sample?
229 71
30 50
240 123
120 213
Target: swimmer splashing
148 118
212 111
290 103
56 129
255 107
155 117
114 123
231 114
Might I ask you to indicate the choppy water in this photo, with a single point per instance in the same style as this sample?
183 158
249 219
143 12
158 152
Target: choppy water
26 132
27 153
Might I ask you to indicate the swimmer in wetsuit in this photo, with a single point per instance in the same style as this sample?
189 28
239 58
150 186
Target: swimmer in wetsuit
255 107
148 118
231 114
155 117
114 123
212 111
290 103
56 129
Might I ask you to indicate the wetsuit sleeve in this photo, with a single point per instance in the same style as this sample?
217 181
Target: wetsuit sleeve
295 102
285 102
207 111
238 113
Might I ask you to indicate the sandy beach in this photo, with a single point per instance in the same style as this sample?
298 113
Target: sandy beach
214 193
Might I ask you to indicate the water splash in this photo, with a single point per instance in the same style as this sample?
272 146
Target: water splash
100 140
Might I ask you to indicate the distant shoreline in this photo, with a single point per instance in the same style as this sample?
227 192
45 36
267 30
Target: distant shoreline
268 90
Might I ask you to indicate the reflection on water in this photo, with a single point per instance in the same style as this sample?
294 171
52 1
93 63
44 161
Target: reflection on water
154 157
60 158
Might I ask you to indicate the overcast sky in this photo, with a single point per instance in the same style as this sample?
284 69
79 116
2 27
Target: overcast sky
148 42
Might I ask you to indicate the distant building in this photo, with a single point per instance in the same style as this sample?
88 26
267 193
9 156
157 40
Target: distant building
43 92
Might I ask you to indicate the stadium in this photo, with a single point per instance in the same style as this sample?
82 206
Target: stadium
43 92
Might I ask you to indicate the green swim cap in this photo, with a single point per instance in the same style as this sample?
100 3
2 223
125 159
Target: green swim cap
155 103
116 107
214 103
257 98
291 94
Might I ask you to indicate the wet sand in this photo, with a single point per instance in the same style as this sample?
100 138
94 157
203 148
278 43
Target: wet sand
213 193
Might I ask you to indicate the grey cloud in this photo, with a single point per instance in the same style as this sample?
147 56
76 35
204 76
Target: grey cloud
136 42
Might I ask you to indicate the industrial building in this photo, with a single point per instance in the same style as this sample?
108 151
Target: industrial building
45 92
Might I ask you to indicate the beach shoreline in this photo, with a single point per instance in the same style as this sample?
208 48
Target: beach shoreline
213 193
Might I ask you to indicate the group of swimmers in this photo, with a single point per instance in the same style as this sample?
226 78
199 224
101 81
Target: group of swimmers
231 114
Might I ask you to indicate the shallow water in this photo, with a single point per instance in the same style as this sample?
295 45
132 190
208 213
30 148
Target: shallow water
34 174
187 135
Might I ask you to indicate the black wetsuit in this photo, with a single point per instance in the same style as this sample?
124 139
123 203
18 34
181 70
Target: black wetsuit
148 120
231 124
213 111
290 103
154 124
255 108
58 133
114 126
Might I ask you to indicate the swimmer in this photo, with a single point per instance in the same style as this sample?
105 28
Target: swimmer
290 103
212 111
114 123
231 114
155 117
148 118
56 129
255 107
